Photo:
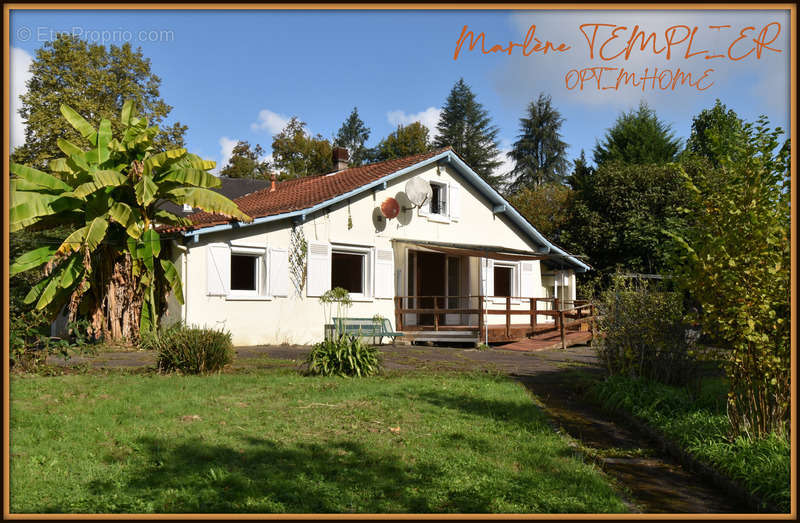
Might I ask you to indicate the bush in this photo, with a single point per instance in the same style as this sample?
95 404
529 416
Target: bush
191 350
344 356
643 333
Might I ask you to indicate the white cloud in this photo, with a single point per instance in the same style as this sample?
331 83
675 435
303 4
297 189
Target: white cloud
226 146
269 121
20 74
429 118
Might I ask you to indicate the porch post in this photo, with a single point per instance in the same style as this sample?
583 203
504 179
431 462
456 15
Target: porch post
398 304
435 313
480 317
556 308
508 316
533 313
563 339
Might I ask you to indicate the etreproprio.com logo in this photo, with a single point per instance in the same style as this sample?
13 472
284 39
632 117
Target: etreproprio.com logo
26 33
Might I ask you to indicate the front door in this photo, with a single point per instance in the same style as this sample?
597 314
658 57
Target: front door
431 281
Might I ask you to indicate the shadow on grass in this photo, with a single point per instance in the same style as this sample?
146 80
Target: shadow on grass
261 476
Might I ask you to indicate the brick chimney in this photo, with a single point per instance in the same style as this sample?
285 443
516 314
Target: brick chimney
340 158
272 185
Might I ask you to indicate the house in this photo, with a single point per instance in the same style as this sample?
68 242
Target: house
437 270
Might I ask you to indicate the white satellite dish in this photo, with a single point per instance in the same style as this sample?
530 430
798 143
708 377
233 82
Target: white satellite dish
418 191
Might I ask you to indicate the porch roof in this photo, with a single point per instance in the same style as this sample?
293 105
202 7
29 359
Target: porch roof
481 251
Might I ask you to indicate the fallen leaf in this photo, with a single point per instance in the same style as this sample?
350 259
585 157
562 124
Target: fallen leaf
395 430
193 417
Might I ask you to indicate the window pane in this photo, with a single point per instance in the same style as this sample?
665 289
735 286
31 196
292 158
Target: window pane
243 272
347 271
453 278
436 199
502 281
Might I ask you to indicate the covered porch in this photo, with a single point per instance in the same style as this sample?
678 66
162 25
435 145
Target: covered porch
485 294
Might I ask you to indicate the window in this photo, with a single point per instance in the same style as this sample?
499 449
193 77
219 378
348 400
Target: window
187 208
439 199
503 280
244 273
348 270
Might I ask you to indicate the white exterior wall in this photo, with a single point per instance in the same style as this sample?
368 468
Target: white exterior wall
300 319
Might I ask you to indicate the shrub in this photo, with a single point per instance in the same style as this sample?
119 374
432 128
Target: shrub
191 350
343 356
643 333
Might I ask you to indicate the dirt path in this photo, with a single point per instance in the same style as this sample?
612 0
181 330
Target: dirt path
653 483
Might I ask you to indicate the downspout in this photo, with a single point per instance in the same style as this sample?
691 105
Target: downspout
184 273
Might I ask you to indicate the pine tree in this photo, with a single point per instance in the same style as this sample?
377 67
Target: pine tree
539 152
353 134
245 162
465 126
715 133
638 138
581 177
94 80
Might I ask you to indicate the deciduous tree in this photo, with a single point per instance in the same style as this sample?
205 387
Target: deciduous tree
295 153
246 162
404 141
94 80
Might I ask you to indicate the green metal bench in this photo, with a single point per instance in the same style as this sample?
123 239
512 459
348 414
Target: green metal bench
365 328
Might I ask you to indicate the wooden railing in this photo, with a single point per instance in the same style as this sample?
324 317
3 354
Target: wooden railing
566 313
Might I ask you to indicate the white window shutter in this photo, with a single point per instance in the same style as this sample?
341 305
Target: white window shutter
319 268
455 202
218 261
526 279
487 276
279 271
384 273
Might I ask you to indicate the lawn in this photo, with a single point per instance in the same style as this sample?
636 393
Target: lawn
274 441
700 426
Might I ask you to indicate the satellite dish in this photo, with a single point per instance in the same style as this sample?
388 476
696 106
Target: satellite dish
418 191
390 208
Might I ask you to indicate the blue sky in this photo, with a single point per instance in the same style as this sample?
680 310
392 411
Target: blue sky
239 75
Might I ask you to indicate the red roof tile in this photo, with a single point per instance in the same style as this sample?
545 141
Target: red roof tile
302 193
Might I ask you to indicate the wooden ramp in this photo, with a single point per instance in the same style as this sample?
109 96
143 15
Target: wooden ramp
547 341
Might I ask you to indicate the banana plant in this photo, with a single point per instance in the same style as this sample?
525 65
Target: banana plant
112 267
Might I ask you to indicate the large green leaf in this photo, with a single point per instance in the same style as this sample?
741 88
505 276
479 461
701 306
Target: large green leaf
207 200
195 162
129 218
145 191
31 260
174 279
161 159
36 291
71 273
127 111
149 248
49 291
27 207
146 318
103 138
80 124
39 178
68 148
192 176
95 233
100 178
168 218
89 236
60 165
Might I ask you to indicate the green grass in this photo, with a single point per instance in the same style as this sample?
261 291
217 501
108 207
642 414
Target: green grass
701 427
274 441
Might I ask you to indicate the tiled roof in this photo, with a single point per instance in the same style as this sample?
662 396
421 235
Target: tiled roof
302 193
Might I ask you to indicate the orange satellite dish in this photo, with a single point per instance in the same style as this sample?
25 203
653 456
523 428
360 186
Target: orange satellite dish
390 208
